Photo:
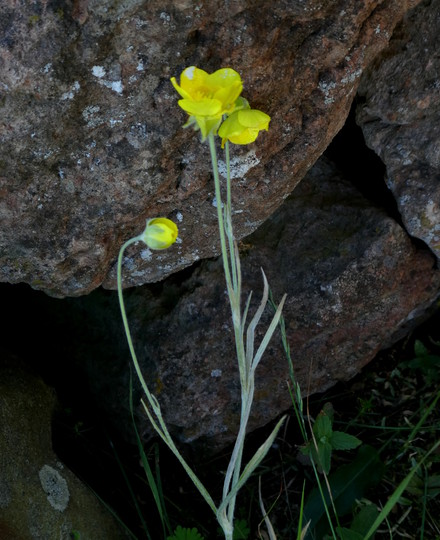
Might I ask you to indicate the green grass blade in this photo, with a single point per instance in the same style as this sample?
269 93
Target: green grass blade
132 494
154 487
300 533
420 423
397 493
268 523
116 517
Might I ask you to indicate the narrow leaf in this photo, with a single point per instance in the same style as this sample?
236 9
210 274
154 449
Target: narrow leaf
348 483
250 334
268 334
252 465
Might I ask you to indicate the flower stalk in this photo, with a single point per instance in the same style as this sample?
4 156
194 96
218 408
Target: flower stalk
247 361
155 414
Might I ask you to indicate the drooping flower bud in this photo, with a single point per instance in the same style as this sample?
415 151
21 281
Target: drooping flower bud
159 233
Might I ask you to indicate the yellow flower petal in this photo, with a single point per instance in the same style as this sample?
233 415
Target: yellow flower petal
253 118
245 137
207 97
194 80
243 126
207 107
224 77
230 127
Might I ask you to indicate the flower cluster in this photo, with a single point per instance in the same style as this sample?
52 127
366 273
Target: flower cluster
211 99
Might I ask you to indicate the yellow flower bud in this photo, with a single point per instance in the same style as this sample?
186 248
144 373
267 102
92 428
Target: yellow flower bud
159 233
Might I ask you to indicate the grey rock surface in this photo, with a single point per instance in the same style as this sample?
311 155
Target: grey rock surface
400 117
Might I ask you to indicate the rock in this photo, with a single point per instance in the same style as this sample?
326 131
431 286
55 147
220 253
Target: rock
355 284
40 499
399 113
92 139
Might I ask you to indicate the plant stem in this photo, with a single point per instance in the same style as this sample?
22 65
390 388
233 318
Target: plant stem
158 423
221 224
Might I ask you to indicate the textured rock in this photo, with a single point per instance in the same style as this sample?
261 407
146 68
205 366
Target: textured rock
91 135
355 284
40 499
400 117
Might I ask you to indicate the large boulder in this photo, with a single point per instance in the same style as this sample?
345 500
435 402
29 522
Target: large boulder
399 112
91 135
355 283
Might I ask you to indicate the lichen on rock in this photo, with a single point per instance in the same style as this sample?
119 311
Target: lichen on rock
55 487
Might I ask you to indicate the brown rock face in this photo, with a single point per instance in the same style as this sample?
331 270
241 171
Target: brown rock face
400 117
353 280
342 307
91 135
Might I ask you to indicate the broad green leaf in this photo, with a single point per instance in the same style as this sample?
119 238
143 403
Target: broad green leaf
241 530
426 362
344 441
348 534
364 519
329 411
307 449
324 456
348 483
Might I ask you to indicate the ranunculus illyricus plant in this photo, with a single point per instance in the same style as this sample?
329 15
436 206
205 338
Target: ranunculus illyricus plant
211 98
215 107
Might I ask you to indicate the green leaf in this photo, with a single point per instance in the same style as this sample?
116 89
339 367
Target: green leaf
344 441
251 466
322 426
397 494
420 349
324 456
364 519
329 411
348 484
241 530
306 450
348 534
185 534
428 361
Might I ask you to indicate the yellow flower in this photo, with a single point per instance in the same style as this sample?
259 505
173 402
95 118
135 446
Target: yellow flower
207 97
160 233
243 126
